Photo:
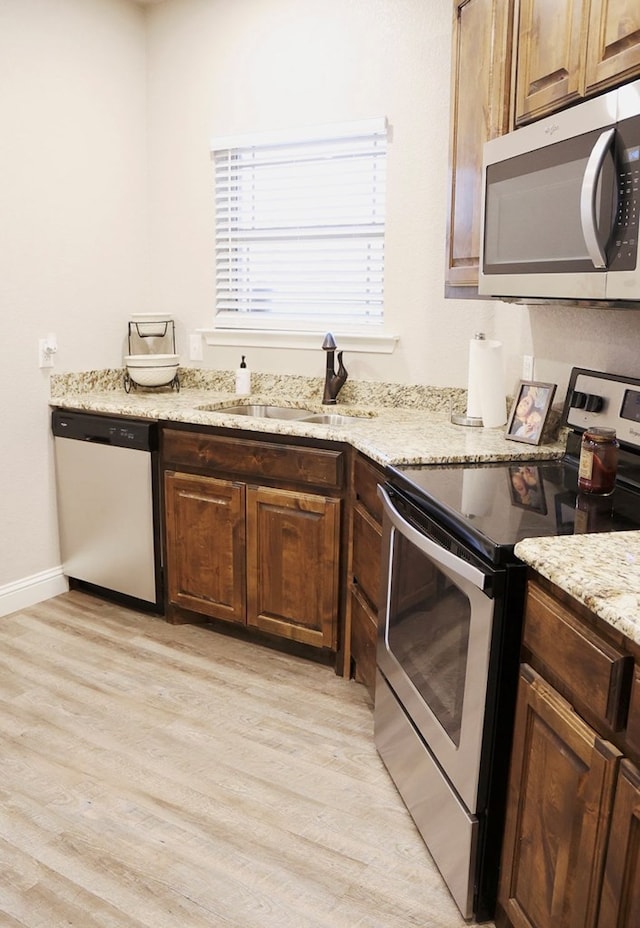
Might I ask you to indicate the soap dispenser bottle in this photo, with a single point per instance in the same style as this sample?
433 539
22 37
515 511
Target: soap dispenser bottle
243 378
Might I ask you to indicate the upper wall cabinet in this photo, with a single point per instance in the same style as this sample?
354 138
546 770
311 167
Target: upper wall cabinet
613 50
549 61
569 49
514 61
482 32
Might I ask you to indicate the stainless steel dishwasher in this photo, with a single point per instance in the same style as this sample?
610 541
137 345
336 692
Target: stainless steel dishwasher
108 509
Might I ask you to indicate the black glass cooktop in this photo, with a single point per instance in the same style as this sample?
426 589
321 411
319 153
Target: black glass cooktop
493 506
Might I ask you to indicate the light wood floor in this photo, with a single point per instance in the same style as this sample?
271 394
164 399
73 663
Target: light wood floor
171 777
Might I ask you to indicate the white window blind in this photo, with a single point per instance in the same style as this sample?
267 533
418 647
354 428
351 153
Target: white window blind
300 224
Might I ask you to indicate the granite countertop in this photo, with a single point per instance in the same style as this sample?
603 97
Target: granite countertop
391 424
601 570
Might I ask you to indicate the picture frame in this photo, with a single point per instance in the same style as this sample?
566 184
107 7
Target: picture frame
526 488
530 411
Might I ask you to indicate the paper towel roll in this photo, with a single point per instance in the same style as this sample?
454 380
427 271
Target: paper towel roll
486 398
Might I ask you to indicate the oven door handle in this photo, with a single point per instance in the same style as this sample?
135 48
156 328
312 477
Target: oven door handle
433 550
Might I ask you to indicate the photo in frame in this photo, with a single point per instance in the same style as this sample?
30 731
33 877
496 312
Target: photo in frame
530 411
526 488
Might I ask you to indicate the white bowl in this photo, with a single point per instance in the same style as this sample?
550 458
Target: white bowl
152 370
151 360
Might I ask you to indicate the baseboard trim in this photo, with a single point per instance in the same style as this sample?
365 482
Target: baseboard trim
32 590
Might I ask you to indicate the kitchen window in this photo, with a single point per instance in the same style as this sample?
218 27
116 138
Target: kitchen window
300 224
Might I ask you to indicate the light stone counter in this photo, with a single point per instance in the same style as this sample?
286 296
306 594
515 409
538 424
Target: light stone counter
600 570
392 424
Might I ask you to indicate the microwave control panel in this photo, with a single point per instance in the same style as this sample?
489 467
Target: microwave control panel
623 249
623 245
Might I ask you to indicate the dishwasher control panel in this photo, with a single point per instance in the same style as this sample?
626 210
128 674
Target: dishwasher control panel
137 434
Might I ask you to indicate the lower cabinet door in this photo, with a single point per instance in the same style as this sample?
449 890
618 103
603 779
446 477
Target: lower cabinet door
364 640
293 557
620 904
559 804
205 534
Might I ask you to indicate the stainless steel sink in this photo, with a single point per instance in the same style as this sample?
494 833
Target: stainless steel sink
263 411
331 418
259 411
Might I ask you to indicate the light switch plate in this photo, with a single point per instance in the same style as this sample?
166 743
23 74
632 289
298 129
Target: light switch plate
195 347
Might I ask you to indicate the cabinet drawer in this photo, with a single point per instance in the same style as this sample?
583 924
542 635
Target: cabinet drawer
592 671
262 459
367 543
366 478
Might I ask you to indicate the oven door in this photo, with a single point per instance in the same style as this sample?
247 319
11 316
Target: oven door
433 646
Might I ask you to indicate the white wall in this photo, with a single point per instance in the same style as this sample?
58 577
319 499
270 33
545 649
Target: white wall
72 232
219 67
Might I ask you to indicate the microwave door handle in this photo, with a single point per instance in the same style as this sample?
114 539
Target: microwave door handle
588 194
440 555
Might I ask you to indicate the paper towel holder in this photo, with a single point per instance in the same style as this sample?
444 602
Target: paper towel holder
458 418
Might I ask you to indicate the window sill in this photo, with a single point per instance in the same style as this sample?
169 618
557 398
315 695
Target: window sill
371 343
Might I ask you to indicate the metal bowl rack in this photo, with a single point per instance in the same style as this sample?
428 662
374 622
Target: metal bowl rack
152 329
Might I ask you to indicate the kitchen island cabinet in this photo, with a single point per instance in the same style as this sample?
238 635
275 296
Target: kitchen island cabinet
560 799
571 855
620 897
253 533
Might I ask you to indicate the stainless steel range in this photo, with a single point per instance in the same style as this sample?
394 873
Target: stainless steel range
451 616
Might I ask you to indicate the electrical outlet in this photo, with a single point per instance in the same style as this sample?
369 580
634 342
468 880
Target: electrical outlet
47 348
527 366
195 347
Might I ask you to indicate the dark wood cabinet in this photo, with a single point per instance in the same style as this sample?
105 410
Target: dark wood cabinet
571 49
592 673
293 558
560 798
620 898
205 532
364 570
550 62
480 88
613 45
571 853
254 533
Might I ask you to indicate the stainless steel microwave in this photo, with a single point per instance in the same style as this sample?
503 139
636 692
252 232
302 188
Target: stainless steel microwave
560 205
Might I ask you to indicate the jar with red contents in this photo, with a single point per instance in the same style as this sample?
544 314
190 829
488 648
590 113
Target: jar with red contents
598 461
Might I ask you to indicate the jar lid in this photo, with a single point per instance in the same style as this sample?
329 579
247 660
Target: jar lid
601 434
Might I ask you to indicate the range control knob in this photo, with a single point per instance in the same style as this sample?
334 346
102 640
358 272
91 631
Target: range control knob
594 403
578 399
